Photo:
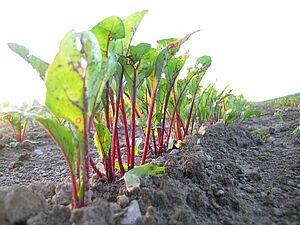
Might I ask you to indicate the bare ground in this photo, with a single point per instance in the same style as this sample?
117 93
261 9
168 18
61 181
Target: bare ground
244 173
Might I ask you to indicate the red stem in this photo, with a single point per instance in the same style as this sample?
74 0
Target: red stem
106 107
177 125
94 167
86 145
119 156
133 122
149 124
154 143
113 151
171 126
186 131
115 140
124 120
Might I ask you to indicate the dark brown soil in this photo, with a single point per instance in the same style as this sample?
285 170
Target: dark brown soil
228 176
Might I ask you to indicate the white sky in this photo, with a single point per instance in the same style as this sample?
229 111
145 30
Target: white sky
254 45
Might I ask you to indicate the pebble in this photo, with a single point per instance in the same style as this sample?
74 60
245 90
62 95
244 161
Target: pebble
159 161
38 152
133 213
219 193
277 212
174 152
222 149
44 174
122 200
218 167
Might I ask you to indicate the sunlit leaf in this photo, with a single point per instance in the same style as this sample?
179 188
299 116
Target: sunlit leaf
38 64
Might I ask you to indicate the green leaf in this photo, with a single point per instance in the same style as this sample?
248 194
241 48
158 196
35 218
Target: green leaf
174 67
64 138
248 113
73 79
138 141
38 64
100 167
117 166
18 121
131 23
133 176
107 30
204 61
137 52
102 140
165 42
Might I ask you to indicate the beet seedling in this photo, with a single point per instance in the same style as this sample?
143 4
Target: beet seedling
18 123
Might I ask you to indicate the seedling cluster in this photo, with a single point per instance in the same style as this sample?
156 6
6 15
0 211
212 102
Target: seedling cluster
99 83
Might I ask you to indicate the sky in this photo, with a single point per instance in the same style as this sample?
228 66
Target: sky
254 45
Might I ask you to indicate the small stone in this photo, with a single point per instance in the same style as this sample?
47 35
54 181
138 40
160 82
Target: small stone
1 174
123 200
38 152
271 139
149 215
133 213
219 193
174 152
277 212
159 161
276 191
222 149
249 189
218 167
16 164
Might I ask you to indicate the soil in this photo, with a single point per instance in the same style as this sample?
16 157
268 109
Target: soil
244 173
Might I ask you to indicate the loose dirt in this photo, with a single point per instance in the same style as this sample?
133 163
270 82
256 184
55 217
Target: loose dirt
244 173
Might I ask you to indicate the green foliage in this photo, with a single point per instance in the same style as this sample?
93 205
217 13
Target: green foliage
261 133
279 113
102 140
38 64
289 100
238 106
132 177
99 79
296 131
17 121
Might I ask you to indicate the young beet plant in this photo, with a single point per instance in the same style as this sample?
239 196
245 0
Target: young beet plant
18 123
74 81
99 80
